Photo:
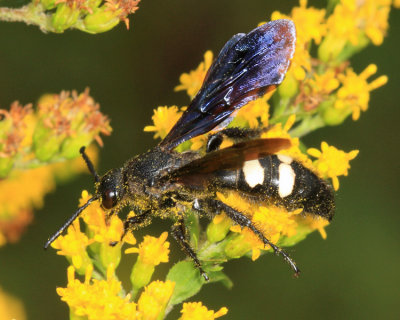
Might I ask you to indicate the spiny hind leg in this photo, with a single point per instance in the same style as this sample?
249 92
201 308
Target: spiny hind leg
215 206
179 233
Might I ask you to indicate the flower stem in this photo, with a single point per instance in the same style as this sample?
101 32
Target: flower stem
308 125
33 13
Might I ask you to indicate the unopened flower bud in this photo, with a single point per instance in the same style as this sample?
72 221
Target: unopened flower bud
334 116
70 147
101 20
93 4
48 4
237 247
110 254
64 17
46 144
330 48
218 228
289 87
141 274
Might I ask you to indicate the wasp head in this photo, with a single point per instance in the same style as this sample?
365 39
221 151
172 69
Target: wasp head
110 189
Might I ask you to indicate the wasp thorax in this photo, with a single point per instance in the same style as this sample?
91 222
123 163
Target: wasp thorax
111 188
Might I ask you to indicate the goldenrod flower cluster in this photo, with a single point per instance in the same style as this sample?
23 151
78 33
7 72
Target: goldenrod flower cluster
319 90
11 307
86 15
35 149
101 294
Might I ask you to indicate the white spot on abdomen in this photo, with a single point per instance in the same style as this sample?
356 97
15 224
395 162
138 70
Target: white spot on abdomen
286 180
253 173
285 159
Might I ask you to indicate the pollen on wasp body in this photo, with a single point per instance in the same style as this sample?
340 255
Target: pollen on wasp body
163 182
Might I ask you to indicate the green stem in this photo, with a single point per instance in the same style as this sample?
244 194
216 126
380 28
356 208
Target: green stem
280 107
168 309
97 275
134 292
307 125
33 13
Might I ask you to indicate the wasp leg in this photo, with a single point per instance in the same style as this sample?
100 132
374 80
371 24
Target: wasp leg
108 216
236 134
243 221
130 224
179 232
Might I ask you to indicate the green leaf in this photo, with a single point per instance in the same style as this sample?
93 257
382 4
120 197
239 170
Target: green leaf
219 276
302 232
188 281
193 227
213 252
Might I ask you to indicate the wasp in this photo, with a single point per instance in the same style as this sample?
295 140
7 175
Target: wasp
163 182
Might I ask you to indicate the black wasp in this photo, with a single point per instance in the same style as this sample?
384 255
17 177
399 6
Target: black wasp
163 182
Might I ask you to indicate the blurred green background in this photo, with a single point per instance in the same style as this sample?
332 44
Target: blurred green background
353 274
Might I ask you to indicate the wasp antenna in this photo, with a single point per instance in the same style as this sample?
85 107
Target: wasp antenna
69 222
89 164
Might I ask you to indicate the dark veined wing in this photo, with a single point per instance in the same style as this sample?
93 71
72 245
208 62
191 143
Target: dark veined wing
231 158
248 66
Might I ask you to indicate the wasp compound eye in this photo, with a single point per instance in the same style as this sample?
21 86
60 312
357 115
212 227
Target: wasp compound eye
109 199
111 189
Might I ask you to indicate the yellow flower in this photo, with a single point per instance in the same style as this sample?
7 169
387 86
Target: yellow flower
301 61
310 25
73 246
281 131
272 221
20 192
97 299
154 299
309 22
315 223
192 82
12 227
253 112
354 93
325 83
24 190
66 122
10 307
16 127
351 18
245 242
332 162
196 311
122 9
198 142
152 251
342 25
71 112
275 222
164 119
102 231
315 90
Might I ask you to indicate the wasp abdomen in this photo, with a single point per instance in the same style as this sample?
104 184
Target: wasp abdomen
282 181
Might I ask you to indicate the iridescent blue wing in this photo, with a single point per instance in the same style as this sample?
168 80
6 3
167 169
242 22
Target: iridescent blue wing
248 66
